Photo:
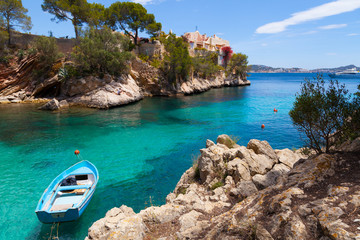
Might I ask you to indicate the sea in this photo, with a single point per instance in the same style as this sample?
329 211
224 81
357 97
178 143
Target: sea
140 150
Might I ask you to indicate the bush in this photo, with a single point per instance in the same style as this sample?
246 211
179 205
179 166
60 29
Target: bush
238 65
48 50
216 185
102 51
205 63
4 36
321 112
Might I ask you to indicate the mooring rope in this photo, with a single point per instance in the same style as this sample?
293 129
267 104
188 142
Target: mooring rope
51 237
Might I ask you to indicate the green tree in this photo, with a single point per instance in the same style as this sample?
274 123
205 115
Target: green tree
76 11
205 63
177 62
13 15
321 112
238 65
96 16
353 126
47 50
131 18
101 51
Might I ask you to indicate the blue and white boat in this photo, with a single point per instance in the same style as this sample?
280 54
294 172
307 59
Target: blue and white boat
67 196
349 73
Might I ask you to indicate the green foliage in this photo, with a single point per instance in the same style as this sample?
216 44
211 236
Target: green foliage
47 49
155 61
76 11
4 37
321 112
205 63
131 17
181 190
96 15
177 62
352 130
4 59
67 71
13 14
238 65
20 54
216 185
143 57
102 51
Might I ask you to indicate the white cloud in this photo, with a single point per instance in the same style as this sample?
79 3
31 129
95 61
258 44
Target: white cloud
319 12
353 34
142 2
264 44
333 26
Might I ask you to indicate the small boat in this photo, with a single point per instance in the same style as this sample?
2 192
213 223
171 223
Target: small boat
67 196
349 73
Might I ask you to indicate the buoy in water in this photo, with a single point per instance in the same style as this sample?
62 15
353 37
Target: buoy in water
275 110
263 126
77 152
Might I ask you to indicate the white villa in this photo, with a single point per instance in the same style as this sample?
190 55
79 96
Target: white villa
213 43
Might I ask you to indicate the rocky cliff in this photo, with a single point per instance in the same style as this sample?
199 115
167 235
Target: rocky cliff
253 192
17 84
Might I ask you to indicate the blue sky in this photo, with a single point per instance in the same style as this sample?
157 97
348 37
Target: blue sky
278 33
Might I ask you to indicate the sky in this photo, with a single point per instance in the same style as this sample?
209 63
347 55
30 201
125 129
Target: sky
278 33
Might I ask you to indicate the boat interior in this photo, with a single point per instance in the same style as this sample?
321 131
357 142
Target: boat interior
69 192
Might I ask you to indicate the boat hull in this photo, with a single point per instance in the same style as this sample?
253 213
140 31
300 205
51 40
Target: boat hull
332 75
62 203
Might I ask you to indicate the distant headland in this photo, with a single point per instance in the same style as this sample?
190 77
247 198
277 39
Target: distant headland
267 69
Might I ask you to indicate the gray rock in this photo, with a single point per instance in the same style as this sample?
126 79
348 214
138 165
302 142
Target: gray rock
244 189
263 181
262 147
51 105
63 104
239 170
226 140
287 157
209 143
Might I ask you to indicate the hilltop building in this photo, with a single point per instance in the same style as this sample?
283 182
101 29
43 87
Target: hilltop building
212 43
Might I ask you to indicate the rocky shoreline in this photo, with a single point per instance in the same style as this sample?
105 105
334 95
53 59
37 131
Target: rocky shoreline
106 92
252 192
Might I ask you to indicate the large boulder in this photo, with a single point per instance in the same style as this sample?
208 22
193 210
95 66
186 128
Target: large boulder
119 223
288 157
51 105
262 147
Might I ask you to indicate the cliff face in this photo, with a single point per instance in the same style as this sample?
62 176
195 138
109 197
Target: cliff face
17 84
253 192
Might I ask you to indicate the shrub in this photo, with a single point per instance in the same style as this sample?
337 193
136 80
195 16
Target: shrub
321 112
4 36
144 57
102 51
238 65
205 63
216 185
48 50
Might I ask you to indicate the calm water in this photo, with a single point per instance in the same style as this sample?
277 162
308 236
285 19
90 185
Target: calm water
140 150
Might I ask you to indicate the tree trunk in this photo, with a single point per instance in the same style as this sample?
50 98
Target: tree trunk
74 22
136 36
8 30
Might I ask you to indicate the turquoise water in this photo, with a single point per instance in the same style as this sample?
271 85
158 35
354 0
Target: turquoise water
140 150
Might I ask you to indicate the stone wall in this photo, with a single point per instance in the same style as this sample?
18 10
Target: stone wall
23 40
150 49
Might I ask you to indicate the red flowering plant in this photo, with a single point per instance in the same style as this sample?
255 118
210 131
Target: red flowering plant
227 53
